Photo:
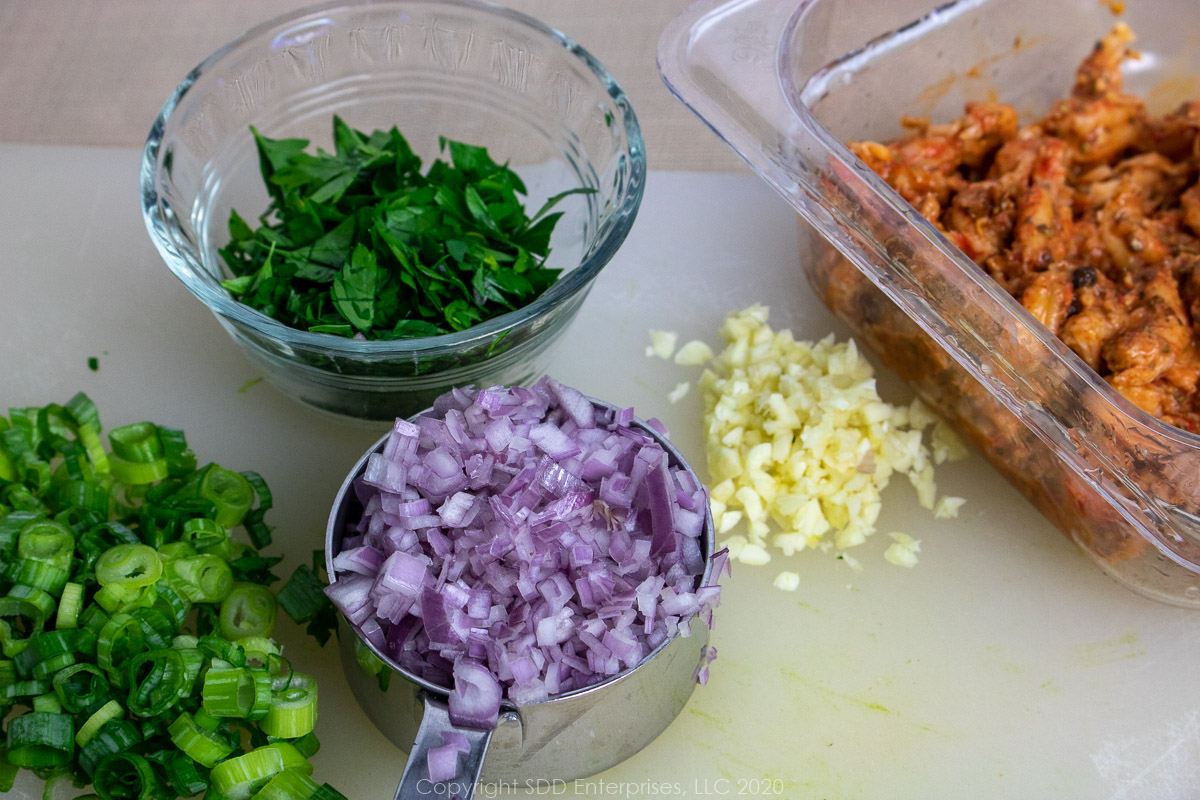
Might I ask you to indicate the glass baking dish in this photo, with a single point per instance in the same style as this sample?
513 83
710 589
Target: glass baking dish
786 82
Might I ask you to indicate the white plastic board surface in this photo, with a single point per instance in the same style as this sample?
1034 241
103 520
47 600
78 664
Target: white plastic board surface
1003 666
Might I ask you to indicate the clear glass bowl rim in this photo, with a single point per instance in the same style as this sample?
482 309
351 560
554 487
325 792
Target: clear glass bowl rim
570 284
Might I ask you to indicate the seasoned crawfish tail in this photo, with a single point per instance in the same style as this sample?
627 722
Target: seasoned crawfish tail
1090 217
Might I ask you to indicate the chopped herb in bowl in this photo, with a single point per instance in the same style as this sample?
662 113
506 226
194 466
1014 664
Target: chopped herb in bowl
454 284
361 243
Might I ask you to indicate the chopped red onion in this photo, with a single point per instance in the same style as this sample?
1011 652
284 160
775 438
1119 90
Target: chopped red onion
475 698
457 740
522 543
365 560
442 762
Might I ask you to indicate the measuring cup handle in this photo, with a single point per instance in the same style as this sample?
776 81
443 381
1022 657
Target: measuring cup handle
415 783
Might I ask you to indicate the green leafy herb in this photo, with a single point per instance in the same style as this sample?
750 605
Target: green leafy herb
360 242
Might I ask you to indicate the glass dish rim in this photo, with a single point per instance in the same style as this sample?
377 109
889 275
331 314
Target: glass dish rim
966 269
578 279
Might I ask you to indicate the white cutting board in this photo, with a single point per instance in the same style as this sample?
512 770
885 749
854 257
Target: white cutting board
1003 666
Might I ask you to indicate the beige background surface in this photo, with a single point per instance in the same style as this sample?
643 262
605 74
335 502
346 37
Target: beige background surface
91 72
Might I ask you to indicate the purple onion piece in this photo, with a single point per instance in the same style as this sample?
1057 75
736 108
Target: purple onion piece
442 762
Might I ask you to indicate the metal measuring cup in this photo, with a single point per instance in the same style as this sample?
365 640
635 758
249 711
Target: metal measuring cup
537 745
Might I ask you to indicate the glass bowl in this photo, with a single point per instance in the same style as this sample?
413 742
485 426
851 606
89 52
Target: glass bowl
466 70
787 82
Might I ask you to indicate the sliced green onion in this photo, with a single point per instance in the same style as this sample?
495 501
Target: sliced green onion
201 744
48 541
136 474
48 703
10 645
119 639
291 757
38 574
208 536
288 785
106 713
86 501
46 669
193 662
307 745
8 770
368 662
15 691
294 711
46 649
137 454
25 660
129 566
185 641
248 610
264 697
229 492
115 598
175 550
28 603
172 605
63 777
115 737
8 470
184 778
259 649
138 442
69 604
83 412
125 775
97 631
240 777
40 739
227 651
206 721
256 527
228 692
80 686
181 461
156 627
201 579
90 440
11 526
327 792
93 619
156 681
28 608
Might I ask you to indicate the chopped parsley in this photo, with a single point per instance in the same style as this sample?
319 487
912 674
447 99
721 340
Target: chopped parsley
361 243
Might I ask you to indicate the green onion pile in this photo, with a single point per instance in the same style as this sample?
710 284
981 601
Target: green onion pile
135 650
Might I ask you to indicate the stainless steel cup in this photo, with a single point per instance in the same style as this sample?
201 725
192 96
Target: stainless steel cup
537 745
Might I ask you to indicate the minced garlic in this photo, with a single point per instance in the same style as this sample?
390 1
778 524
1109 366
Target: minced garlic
662 344
799 444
